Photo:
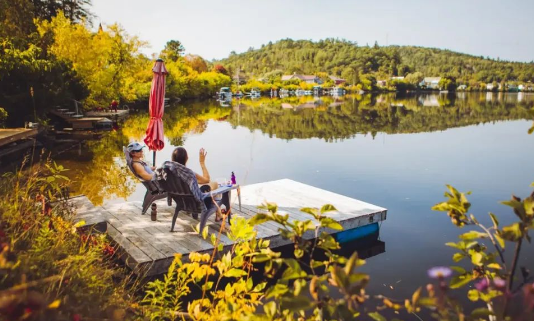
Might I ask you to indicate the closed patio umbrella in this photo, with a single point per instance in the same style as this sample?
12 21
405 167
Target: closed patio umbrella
154 132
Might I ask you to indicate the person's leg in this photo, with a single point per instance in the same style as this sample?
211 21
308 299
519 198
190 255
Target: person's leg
213 185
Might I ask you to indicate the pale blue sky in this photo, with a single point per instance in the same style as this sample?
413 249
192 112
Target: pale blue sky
214 28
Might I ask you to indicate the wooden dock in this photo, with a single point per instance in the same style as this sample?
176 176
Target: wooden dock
148 247
11 135
121 113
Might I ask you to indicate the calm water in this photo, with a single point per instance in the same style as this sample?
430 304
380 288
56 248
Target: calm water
395 152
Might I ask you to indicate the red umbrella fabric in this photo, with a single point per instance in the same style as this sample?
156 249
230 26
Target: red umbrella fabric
154 132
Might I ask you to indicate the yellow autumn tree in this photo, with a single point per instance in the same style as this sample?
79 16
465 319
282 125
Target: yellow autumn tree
109 61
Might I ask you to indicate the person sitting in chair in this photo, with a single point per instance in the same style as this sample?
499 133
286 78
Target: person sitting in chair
140 168
179 155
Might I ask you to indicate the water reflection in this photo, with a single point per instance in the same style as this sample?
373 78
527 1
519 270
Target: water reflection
99 172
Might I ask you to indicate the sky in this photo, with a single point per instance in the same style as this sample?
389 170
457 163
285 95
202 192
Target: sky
214 28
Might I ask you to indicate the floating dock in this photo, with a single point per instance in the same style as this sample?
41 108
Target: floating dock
148 247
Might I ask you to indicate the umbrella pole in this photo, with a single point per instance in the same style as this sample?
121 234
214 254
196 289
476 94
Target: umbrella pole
154 158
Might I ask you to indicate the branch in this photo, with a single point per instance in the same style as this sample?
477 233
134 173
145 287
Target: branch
492 239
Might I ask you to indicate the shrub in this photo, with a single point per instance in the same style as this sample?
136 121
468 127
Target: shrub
49 270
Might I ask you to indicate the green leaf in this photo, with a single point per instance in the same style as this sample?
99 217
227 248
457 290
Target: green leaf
458 269
353 262
316 264
512 232
494 220
260 258
331 223
297 303
277 290
458 257
473 295
213 239
270 309
271 207
377 316
454 245
476 258
528 203
260 218
459 281
235 273
327 208
229 290
481 313
79 223
494 266
500 240
310 210
260 287
472 235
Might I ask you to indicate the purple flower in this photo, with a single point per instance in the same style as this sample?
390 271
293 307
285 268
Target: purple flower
482 285
439 272
499 283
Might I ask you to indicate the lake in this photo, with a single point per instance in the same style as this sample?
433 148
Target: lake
394 151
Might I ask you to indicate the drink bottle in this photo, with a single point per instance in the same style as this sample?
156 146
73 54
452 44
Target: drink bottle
233 178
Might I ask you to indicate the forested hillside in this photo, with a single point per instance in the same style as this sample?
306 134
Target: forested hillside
348 60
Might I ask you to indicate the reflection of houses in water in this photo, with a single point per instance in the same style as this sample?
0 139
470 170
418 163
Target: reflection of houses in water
489 96
306 105
520 96
336 103
429 100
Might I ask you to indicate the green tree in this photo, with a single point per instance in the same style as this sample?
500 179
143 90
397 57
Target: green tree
173 50
74 10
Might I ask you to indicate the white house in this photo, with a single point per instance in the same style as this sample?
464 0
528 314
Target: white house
489 87
310 79
381 83
430 82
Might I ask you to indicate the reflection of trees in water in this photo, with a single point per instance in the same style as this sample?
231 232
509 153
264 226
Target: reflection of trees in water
372 114
102 173
177 121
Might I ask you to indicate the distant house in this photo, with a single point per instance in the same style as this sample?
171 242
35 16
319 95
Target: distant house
310 79
240 78
430 82
337 81
381 83
462 87
521 87
512 88
397 78
489 87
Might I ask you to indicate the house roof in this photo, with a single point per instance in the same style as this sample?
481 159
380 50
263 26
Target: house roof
301 77
334 78
307 77
432 79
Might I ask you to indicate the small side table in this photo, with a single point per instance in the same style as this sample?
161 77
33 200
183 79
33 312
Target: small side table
224 189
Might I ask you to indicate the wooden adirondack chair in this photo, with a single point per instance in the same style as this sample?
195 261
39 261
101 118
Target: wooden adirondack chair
153 193
185 192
